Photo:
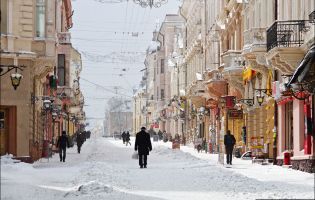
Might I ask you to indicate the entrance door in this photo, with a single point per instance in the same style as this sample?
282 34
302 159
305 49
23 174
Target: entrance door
3 132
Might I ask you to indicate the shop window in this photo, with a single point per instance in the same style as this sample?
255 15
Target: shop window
61 69
288 145
40 18
4 16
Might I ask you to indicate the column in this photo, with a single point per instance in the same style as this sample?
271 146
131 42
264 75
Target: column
298 127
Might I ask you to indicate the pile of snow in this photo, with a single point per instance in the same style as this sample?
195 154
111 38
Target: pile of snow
8 160
95 187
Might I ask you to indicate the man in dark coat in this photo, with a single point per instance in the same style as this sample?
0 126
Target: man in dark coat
79 141
123 135
229 142
143 146
127 138
62 144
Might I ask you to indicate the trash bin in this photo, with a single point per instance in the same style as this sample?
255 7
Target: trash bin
286 158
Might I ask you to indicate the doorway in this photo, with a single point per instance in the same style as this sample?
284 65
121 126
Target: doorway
3 132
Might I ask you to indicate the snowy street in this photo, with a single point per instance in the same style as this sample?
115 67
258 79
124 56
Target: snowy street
105 170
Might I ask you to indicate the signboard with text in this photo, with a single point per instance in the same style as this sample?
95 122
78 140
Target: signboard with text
235 114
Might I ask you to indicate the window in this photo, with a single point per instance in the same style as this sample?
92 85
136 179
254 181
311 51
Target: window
162 66
40 18
157 93
3 22
162 93
2 118
61 69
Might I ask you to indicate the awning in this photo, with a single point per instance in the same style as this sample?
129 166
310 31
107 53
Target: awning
306 69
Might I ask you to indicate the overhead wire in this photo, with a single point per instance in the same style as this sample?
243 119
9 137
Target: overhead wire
106 89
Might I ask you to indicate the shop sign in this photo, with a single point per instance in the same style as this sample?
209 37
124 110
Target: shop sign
235 114
230 101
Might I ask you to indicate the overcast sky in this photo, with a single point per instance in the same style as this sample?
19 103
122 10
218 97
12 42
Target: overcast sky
112 39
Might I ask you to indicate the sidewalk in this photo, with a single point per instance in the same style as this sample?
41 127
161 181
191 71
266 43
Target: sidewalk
256 171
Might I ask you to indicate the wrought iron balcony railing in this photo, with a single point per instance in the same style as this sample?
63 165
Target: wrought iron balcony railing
286 34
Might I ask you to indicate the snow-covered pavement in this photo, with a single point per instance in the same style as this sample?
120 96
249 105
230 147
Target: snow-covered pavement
105 170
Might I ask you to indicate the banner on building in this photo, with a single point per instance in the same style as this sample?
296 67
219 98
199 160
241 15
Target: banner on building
248 74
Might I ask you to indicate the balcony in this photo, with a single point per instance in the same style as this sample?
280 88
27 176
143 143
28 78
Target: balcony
232 62
286 34
64 38
254 38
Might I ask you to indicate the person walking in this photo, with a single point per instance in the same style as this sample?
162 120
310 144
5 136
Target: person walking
123 135
127 138
143 146
79 141
62 144
229 142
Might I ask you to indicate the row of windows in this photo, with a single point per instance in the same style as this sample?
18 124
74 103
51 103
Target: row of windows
162 93
40 18
161 67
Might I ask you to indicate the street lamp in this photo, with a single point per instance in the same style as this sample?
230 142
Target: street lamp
47 104
260 97
54 115
150 3
15 77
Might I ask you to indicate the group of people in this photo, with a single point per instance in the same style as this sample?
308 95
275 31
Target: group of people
143 146
126 138
63 143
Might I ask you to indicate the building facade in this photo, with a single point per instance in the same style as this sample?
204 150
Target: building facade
243 66
30 31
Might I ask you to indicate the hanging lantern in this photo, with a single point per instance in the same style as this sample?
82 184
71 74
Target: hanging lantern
16 79
47 104
260 99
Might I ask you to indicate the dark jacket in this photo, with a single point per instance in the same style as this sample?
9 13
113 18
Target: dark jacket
127 136
229 140
79 140
143 143
63 142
